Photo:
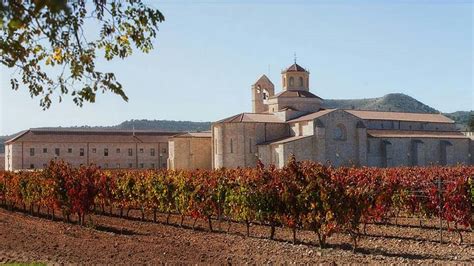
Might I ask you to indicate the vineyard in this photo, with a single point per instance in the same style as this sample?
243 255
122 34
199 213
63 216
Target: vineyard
301 196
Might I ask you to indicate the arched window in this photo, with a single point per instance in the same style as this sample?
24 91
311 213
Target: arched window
265 94
301 81
292 81
339 132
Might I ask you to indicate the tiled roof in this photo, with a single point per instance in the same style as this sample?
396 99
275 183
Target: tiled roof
91 135
295 68
283 140
312 116
399 116
202 134
416 134
252 117
294 94
263 78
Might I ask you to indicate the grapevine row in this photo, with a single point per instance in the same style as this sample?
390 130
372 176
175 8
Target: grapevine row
301 196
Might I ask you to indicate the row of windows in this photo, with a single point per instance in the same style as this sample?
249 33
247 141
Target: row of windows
57 151
292 81
117 166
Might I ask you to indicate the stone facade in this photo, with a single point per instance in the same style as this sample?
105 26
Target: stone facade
292 123
33 149
190 151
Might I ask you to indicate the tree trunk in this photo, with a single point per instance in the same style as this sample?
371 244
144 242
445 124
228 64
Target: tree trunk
321 239
460 241
194 224
247 223
229 223
182 221
294 235
168 218
272 230
209 221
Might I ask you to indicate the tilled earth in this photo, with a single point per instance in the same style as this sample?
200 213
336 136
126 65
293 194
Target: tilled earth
113 240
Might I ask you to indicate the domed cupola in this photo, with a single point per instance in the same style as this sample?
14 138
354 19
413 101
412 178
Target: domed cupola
295 78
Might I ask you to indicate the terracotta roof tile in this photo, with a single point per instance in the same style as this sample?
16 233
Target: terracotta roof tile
399 116
283 140
295 93
416 134
252 118
202 134
312 116
295 68
91 135
263 79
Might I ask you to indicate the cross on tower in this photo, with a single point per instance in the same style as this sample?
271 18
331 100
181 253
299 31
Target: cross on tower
294 57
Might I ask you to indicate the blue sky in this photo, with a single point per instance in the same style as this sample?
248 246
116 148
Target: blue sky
208 53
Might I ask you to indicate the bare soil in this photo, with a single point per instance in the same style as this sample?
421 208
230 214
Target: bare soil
113 240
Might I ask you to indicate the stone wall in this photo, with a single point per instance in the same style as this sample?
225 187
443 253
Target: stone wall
34 155
393 152
188 153
235 144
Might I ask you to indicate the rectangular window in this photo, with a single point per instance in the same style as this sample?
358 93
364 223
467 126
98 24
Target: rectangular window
142 165
106 152
164 165
32 166
130 152
69 150
45 150
164 150
94 150
81 152
130 165
231 146
152 152
118 150
32 151
141 150
152 165
56 151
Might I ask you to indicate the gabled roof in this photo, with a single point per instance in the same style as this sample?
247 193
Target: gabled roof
295 68
283 140
399 116
379 133
90 135
264 79
252 118
202 134
295 94
312 116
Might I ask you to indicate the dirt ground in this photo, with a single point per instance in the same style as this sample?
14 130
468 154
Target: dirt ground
113 240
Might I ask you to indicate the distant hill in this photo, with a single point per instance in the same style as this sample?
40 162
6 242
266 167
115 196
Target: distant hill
395 102
164 125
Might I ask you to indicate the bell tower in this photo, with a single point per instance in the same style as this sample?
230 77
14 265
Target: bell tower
262 89
295 78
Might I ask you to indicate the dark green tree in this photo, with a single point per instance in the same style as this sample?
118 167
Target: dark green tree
47 43
471 121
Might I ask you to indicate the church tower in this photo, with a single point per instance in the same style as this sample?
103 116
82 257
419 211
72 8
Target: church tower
261 91
295 78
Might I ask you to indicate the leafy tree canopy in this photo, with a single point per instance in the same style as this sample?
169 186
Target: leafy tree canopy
45 42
